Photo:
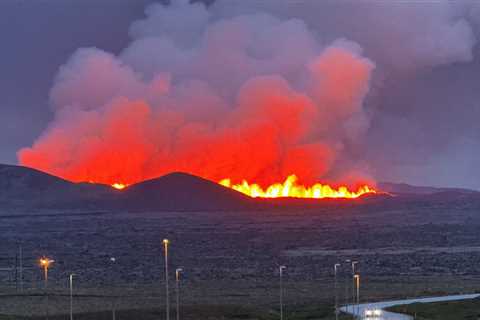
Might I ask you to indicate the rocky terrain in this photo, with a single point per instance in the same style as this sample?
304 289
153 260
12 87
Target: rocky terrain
406 244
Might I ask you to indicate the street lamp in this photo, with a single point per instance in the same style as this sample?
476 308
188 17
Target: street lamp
348 261
335 267
113 301
177 291
45 264
354 263
356 279
71 295
165 245
20 256
281 268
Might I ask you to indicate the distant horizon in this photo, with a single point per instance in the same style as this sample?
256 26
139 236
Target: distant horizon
377 182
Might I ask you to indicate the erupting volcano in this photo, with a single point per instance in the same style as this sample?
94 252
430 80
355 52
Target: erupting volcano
239 102
289 188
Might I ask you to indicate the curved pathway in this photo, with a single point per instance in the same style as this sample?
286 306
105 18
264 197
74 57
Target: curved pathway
360 309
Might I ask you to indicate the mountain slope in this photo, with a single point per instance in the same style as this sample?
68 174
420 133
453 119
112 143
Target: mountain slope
26 189
403 188
182 192
29 189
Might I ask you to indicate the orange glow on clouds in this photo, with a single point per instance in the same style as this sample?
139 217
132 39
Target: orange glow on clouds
114 127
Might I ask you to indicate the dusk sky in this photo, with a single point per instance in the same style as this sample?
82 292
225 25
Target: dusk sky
410 111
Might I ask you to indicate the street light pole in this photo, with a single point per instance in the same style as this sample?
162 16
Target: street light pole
20 249
281 268
353 287
165 244
348 261
177 291
113 301
357 280
335 267
71 296
45 263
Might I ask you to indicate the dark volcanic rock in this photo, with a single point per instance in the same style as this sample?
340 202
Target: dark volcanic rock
23 188
28 190
182 192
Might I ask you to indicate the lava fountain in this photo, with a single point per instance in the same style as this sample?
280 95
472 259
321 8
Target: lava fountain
119 186
290 188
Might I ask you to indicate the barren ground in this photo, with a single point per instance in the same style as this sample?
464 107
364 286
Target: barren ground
231 258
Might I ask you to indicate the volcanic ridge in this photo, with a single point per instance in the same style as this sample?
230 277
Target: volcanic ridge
25 189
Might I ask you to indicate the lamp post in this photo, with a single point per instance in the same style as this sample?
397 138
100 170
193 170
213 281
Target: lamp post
354 263
348 261
71 295
281 268
45 264
356 278
177 291
167 297
335 267
20 254
114 311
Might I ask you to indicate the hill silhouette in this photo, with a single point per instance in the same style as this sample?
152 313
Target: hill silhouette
182 192
28 189
25 189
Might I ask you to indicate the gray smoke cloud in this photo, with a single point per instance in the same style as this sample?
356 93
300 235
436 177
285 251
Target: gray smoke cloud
252 96
406 109
423 102
404 35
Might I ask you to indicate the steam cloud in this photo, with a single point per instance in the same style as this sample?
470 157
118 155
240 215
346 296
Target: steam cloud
401 35
253 96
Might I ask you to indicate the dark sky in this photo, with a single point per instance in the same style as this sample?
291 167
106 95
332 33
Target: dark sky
424 101
38 37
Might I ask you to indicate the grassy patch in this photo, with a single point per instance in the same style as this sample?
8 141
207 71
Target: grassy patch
207 312
7 317
451 310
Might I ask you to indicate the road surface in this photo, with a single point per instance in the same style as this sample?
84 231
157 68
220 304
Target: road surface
360 309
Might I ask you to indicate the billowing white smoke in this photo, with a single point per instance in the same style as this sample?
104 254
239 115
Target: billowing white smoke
253 96
403 35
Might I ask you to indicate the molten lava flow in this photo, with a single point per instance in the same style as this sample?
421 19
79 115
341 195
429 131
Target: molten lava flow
119 186
290 188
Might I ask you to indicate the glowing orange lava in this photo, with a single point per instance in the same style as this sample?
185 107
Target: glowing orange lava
290 188
119 186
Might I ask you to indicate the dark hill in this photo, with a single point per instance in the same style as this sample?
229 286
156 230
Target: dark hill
27 189
182 192
403 188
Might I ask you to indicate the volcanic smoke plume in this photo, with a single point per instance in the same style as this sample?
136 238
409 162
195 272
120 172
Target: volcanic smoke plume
250 97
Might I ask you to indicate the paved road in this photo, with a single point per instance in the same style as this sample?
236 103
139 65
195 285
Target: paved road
360 310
